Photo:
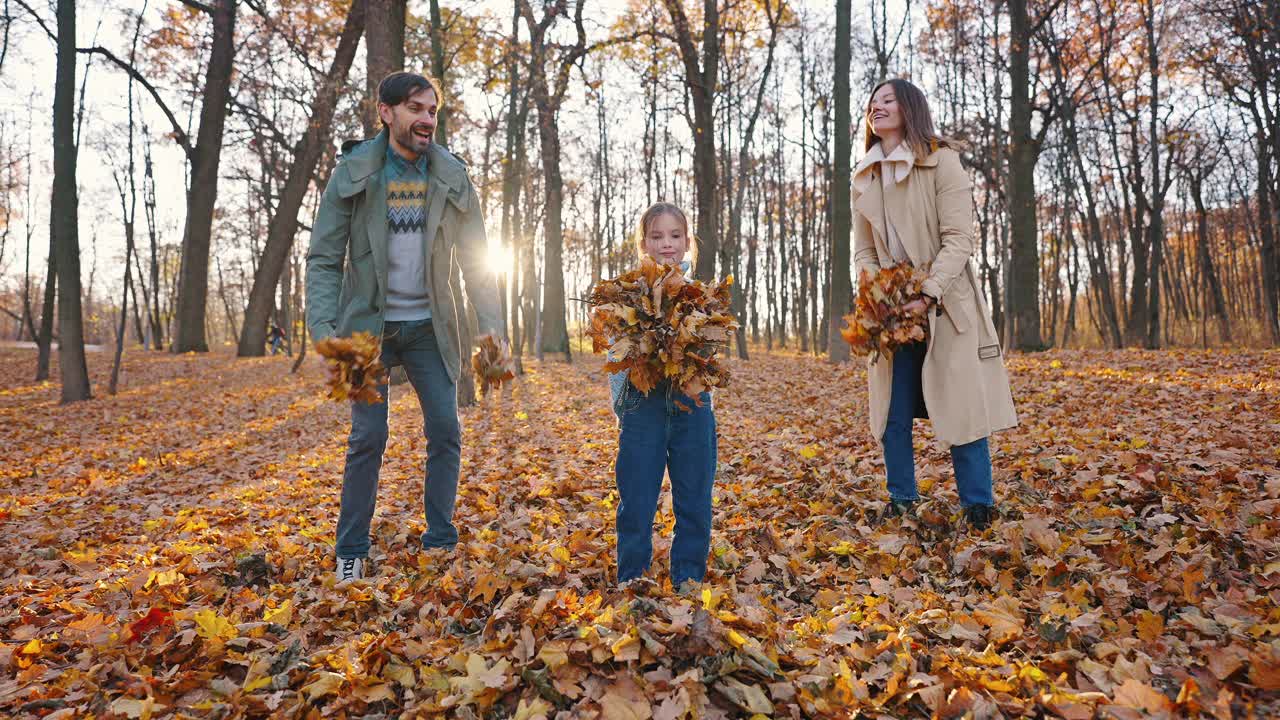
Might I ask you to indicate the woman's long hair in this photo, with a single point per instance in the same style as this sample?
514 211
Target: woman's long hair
917 122
657 210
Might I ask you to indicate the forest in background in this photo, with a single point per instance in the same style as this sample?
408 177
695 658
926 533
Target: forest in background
1123 154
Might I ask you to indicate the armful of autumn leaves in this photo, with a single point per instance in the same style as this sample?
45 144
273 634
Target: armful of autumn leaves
660 325
882 321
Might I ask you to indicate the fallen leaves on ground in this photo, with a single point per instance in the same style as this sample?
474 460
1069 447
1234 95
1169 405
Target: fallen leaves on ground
169 551
355 367
659 325
880 322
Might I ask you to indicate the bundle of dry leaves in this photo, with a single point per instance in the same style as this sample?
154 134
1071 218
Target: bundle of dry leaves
660 325
355 367
881 322
492 364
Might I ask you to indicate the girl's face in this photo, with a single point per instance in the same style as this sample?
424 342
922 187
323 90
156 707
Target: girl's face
884 114
666 240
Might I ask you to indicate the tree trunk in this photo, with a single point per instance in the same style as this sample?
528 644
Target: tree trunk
44 339
701 76
302 350
437 69
64 212
555 332
554 328
193 284
1024 275
1270 258
149 208
306 155
384 50
1155 229
840 301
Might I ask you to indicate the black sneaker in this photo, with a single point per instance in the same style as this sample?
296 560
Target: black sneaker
979 516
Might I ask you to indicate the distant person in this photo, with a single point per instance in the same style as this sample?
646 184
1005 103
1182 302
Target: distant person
399 213
913 203
275 336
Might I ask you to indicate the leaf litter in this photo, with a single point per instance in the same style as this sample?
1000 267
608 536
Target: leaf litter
169 552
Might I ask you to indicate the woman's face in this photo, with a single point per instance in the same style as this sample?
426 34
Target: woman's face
884 114
666 239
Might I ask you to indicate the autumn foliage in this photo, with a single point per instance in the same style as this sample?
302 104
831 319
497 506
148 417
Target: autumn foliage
169 552
492 364
355 367
881 321
659 325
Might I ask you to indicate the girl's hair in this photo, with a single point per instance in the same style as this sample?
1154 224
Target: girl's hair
917 123
655 211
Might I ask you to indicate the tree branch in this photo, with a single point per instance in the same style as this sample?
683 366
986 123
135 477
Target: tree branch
39 20
263 122
197 6
179 134
261 10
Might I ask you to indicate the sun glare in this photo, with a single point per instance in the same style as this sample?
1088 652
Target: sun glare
500 258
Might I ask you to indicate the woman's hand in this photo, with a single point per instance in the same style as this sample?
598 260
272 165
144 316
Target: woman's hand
921 305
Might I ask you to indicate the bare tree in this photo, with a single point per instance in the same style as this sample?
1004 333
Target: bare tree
127 188
841 298
306 155
548 95
701 74
64 215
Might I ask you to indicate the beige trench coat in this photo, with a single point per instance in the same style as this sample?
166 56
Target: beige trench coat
966 388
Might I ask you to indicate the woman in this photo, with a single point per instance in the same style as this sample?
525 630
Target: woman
913 204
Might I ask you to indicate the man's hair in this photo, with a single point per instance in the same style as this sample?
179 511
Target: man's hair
400 86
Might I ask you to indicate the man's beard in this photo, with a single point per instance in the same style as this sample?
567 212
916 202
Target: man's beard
409 140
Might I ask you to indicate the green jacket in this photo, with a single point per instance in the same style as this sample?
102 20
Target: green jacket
347 259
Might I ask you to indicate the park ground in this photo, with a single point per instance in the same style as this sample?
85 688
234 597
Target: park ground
169 552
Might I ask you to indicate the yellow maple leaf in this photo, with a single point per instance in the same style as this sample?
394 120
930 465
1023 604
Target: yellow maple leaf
211 625
281 614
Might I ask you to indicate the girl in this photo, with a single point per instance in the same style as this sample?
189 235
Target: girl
656 435
913 204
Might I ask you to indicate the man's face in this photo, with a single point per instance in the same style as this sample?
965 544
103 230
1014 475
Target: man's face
412 123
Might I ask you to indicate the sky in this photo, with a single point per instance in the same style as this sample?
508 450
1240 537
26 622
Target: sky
26 85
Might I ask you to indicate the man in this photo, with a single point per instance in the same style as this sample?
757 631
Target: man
399 211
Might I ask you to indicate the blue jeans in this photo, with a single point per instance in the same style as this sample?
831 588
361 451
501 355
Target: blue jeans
413 345
656 435
972 461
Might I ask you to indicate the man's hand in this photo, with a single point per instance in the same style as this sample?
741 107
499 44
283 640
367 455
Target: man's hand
492 362
493 338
